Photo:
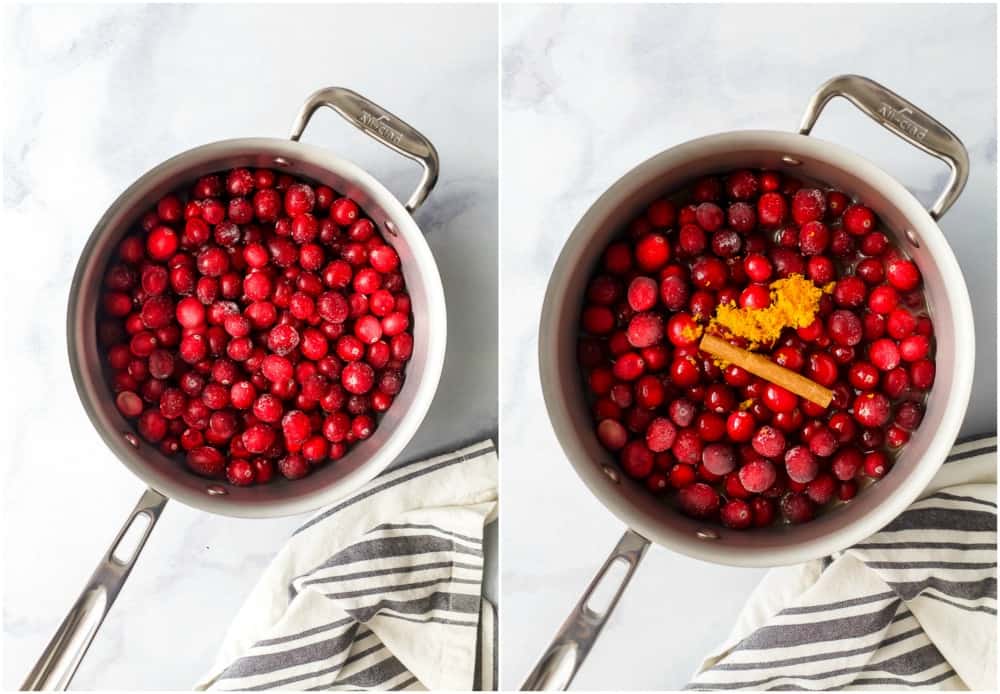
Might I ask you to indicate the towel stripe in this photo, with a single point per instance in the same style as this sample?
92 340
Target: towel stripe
399 571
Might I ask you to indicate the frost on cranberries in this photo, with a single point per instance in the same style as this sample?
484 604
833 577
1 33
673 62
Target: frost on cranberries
257 324
711 439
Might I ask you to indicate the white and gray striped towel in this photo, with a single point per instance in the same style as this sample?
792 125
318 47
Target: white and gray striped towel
913 606
380 591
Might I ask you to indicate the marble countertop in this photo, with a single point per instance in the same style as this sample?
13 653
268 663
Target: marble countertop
97 97
587 93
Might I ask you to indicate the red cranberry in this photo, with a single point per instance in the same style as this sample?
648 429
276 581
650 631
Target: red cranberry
769 442
871 409
637 460
699 500
771 209
858 220
876 464
797 508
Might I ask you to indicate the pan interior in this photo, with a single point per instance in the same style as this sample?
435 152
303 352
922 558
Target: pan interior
333 480
947 300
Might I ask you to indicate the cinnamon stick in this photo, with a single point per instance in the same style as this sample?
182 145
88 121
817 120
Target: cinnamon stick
765 368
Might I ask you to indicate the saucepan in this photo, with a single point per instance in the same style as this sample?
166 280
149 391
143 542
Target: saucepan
914 229
164 477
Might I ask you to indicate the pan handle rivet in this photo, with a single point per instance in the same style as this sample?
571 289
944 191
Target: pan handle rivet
131 438
911 236
707 534
791 161
281 161
611 473
216 490
391 228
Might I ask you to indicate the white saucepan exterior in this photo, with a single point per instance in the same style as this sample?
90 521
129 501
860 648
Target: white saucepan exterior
903 217
396 427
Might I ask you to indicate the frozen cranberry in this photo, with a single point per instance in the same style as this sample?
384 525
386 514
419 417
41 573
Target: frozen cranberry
699 500
871 409
801 464
674 292
822 489
357 377
282 339
769 442
808 205
741 217
296 427
642 293
718 459
742 185
293 466
757 475
771 209
884 354
797 508
645 330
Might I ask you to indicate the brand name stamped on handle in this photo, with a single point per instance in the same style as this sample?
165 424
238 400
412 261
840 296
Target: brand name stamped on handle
380 125
901 119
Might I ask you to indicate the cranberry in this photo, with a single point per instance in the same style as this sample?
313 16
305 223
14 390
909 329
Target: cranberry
718 459
293 466
206 461
769 442
644 330
357 377
757 475
637 460
876 464
858 220
884 354
736 514
344 211
797 508
771 209
871 409
699 500
652 252
709 273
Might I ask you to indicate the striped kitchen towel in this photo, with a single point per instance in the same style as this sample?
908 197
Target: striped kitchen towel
380 591
913 606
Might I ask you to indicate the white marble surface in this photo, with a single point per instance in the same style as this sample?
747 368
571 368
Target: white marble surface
96 97
590 91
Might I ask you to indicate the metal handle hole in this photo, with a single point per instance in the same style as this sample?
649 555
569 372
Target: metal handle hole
128 545
608 587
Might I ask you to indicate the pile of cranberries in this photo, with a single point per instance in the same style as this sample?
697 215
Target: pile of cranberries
255 321
717 442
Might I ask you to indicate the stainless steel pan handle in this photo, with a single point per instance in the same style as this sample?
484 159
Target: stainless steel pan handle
376 122
564 656
903 119
55 669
